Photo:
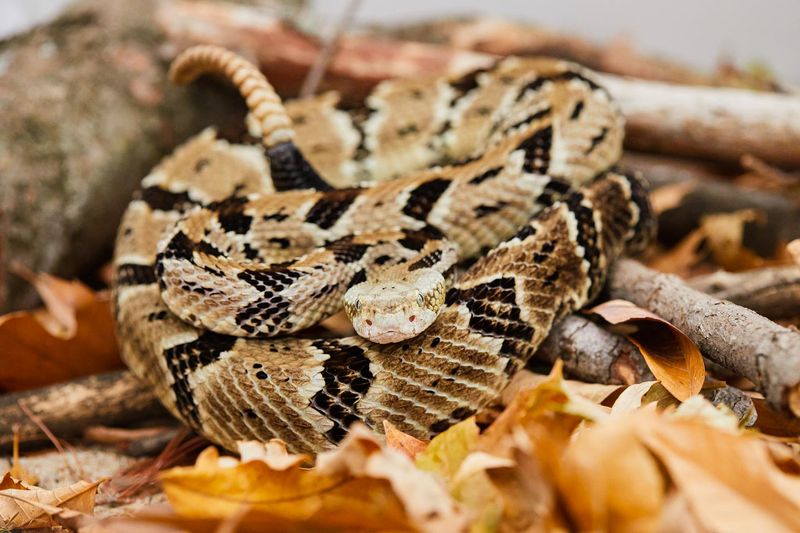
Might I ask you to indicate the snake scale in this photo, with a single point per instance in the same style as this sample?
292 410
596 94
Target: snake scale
511 166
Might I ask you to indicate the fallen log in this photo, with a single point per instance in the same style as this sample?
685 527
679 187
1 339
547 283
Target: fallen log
736 338
717 123
593 354
773 292
87 111
116 398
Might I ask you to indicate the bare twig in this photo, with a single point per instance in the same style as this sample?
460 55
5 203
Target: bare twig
709 191
317 70
593 354
717 123
736 338
773 292
67 408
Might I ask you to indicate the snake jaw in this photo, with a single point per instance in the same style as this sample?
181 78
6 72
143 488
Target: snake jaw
391 310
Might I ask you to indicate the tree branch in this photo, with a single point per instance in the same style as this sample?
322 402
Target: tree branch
732 336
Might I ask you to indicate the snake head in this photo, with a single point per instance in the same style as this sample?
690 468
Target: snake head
396 308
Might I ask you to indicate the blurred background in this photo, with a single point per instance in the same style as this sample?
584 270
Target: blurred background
700 33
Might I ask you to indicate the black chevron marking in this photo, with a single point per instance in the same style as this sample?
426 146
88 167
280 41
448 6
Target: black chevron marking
230 214
530 118
426 261
493 308
569 75
131 274
347 379
576 111
422 199
183 359
587 234
163 200
596 140
491 173
290 170
331 207
537 151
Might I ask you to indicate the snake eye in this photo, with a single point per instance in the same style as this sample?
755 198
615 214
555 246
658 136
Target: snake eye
420 300
358 304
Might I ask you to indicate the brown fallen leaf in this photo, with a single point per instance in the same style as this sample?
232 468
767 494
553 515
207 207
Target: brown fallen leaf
610 481
61 298
9 482
724 234
411 446
447 450
729 480
793 248
32 507
72 337
672 357
683 257
360 485
670 196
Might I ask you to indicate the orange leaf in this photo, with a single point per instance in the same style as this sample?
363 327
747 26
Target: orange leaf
398 440
73 337
672 357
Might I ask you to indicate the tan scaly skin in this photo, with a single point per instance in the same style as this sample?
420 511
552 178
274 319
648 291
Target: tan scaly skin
206 258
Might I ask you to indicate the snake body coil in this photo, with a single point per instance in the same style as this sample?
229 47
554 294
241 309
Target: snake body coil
514 159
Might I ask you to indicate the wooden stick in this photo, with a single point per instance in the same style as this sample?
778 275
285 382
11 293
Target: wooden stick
67 408
736 338
593 354
710 191
773 292
718 123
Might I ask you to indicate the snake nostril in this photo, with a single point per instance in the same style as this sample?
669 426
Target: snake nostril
412 318
368 321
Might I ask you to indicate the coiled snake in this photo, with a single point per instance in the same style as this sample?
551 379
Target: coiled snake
509 165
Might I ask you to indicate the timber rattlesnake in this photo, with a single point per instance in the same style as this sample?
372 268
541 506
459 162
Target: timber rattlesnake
206 262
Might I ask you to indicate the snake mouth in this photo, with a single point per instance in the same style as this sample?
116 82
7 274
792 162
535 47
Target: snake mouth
388 336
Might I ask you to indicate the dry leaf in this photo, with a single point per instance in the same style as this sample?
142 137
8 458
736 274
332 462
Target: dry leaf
61 298
360 485
672 357
9 482
396 439
447 450
34 507
609 481
670 196
724 233
794 250
73 337
730 481
640 394
525 380
682 257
